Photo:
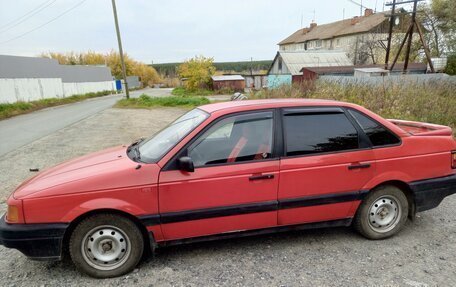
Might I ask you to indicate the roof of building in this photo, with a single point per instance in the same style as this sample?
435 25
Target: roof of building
351 68
227 78
371 70
331 70
295 61
339 28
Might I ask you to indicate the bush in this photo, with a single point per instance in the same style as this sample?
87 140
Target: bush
450 68
171 82
432 101
197 72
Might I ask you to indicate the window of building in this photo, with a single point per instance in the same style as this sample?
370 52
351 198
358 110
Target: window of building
319 133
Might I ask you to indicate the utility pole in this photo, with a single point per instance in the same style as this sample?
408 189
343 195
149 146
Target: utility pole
390 33
119 40
408 36
409 43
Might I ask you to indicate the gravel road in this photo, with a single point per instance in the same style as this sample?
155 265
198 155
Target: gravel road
423 254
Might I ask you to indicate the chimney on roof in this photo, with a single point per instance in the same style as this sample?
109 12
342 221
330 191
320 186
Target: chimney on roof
368 12
313 25
354 20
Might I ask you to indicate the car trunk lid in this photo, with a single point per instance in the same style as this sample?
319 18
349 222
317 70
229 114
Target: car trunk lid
422 129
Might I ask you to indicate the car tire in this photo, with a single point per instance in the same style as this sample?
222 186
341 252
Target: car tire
382 213
106 245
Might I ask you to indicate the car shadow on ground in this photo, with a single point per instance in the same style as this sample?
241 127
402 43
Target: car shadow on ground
305 239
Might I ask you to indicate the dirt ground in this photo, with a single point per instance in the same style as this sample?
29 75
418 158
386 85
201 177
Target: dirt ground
423 254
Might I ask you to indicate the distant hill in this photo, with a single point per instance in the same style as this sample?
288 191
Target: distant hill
169 69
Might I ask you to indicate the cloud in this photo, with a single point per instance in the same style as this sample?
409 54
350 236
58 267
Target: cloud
171 30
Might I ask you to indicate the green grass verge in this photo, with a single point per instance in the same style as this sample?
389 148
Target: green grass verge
183 92
144 102
14 109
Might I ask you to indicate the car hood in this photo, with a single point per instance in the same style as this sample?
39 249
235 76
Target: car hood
104 170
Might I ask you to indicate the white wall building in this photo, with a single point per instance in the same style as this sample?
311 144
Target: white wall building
28 79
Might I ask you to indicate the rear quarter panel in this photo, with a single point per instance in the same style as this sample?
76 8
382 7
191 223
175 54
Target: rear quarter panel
415 159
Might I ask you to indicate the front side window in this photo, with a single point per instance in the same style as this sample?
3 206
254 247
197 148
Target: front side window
235 139
158 145
377 134
319 133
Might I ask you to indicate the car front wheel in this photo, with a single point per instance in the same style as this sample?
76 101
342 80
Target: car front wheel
106 245
383 213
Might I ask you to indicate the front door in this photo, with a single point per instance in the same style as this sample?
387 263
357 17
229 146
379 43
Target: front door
234 185
327 161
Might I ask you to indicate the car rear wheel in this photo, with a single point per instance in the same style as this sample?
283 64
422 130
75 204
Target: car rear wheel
383 213
106 245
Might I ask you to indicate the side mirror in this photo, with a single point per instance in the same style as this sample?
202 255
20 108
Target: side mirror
185 163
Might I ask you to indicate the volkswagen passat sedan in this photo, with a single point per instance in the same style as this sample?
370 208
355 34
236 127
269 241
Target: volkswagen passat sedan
232 169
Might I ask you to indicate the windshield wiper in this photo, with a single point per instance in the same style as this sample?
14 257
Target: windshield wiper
137 152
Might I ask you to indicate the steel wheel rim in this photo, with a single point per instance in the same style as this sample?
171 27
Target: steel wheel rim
106 247
384 214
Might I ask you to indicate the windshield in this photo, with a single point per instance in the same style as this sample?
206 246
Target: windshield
158 145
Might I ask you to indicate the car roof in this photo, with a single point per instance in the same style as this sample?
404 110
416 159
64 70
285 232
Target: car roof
268 103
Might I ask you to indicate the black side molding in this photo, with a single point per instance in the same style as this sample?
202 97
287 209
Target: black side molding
266 206
323 199
171 217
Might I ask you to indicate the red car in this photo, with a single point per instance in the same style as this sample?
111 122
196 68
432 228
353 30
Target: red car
233 169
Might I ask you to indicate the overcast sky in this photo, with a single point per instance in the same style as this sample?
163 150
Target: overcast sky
164 30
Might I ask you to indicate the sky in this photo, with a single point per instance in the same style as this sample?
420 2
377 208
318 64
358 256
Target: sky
160 31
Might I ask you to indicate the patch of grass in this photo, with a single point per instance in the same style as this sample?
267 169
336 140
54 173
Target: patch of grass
430 101
144 102
183 92
14 109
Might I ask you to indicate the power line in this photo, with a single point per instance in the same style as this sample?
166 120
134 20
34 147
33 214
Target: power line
26 16
42 25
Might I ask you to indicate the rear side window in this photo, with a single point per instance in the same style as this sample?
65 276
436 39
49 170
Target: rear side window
319 133
378 135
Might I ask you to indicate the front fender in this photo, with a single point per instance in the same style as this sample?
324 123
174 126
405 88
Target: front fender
102 203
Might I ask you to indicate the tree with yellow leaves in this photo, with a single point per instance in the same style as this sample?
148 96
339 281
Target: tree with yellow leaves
197 72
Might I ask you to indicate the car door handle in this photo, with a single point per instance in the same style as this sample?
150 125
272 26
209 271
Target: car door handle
359 166
261 176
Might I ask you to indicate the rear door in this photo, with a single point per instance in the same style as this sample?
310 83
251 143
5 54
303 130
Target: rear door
327 161
234 185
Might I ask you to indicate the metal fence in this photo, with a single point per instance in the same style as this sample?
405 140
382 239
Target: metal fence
391 80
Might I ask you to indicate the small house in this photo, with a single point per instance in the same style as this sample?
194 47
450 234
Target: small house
286 67
228 82
256 81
